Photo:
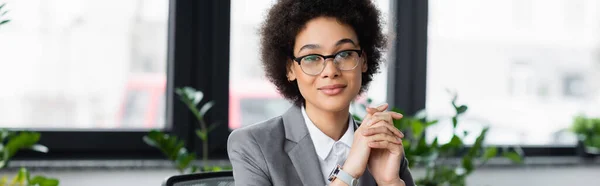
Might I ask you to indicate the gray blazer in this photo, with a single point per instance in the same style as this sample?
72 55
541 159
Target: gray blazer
279 151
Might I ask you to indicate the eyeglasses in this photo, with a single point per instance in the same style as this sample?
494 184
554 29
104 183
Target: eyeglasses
314 64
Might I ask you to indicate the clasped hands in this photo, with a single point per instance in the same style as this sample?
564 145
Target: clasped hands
377 146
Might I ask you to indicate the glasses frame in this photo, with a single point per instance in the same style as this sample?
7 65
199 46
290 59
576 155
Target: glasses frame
299 60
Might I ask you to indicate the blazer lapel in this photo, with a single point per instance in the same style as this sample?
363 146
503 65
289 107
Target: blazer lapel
300 148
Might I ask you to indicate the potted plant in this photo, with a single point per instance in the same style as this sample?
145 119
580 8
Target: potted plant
174 148
11 143
446 163
588 135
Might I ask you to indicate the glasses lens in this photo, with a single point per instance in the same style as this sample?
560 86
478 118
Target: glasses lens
312 64
347 60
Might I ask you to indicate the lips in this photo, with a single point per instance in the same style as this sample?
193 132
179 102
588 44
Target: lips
332 90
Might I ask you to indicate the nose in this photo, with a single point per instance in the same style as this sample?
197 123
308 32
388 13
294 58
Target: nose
330 70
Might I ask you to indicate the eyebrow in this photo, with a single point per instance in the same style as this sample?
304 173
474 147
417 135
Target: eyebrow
340 42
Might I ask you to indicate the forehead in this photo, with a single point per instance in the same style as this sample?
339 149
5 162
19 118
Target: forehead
325 32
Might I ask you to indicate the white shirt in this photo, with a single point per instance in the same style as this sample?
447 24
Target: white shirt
330 152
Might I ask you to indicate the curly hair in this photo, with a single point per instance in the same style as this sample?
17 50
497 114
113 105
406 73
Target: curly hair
288 17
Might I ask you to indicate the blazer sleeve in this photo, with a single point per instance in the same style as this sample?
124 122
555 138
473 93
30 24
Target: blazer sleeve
405 174
247 160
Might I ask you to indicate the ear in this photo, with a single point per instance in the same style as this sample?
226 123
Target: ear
365 67
290 71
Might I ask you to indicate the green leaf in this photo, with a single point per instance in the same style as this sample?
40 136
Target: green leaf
461 109
205 108
454 98
421 147
435 144
4 13
406 143
514 157
454 145
202 135
150 141
5 134
454 122
22 176
357 118
467 163
184 159
179 148
429 123
478 145
43 181
23 140
194 169
490 152
417 128
194 95
4 22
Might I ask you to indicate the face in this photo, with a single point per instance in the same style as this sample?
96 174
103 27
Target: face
338 83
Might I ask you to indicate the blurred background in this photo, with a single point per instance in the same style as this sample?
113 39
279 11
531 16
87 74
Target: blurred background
94 77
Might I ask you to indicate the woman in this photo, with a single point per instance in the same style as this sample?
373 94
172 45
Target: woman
321 54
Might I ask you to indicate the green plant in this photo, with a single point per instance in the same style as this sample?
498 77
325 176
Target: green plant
191 98
588 131
436 157
14 141
174 148
23 178
2 13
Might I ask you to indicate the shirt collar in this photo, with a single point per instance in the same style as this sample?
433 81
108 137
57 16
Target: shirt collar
323 143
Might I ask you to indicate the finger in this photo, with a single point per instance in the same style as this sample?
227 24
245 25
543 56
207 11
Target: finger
379 108
389 116
396 115
386 116
379 116
383 107
376 130
391 129
392 147
384 137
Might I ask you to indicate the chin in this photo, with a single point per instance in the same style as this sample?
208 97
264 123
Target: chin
333 104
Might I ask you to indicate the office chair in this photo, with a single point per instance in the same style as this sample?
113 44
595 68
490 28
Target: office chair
224 178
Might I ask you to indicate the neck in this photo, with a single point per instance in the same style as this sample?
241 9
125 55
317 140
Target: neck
333 123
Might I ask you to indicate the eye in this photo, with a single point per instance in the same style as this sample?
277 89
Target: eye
311 58
344 54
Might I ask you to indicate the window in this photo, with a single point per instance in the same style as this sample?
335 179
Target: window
527 82
252 97
84 64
